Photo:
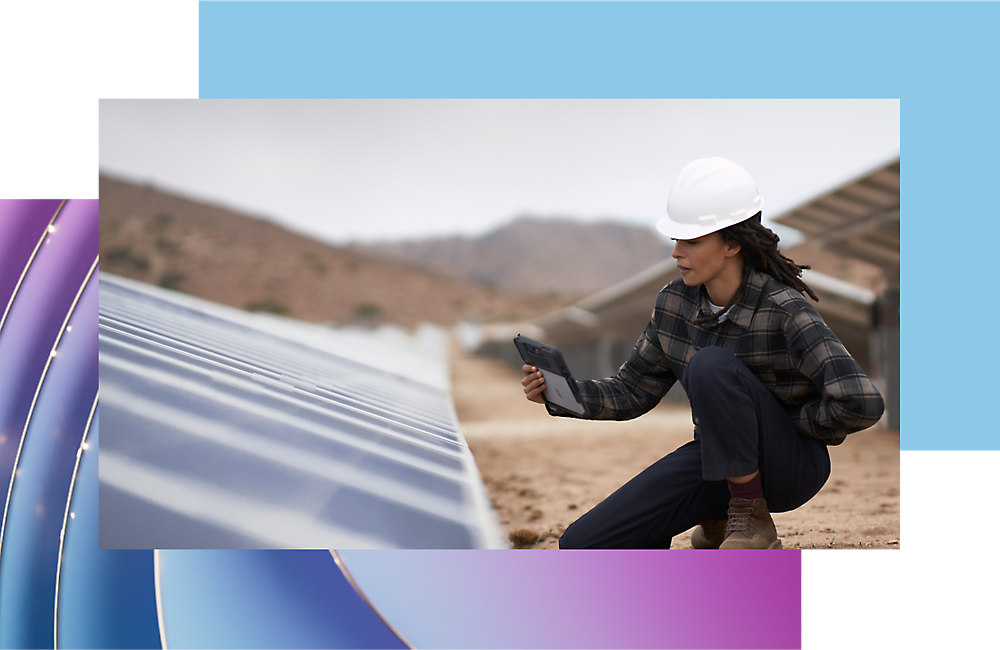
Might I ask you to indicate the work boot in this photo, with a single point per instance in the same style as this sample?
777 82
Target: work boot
750 525
708 534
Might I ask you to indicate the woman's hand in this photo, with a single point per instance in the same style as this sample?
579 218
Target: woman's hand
534 384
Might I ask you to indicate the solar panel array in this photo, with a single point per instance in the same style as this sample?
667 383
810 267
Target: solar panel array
860 218
225 429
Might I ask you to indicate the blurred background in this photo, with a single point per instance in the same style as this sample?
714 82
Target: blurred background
440 210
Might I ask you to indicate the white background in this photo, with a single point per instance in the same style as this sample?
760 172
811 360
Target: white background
58 58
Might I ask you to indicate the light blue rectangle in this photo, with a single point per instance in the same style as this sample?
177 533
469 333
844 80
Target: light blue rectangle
939 59
545 49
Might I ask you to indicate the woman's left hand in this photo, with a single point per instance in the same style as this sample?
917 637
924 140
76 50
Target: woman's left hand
534 384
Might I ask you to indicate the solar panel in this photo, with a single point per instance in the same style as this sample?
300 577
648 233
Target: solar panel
226 429
57 588
860 218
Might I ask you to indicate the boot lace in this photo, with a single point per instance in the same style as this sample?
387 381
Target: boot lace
740 511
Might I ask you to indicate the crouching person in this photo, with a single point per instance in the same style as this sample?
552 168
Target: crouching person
770 385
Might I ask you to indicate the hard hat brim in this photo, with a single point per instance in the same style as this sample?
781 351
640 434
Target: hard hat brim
676 230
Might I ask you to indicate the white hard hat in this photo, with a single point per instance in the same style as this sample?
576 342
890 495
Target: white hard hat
708 195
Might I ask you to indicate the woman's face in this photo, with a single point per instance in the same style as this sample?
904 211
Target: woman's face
703 260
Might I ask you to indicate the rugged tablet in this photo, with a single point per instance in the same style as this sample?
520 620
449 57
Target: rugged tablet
560 387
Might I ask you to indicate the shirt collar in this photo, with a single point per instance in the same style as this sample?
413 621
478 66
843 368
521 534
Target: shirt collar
742 312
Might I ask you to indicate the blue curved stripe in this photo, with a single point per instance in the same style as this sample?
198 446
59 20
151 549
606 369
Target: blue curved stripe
107 599
264 599
35 513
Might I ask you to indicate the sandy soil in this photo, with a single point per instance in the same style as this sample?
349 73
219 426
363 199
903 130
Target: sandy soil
543 472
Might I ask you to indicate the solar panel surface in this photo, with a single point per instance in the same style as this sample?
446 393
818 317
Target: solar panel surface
225 429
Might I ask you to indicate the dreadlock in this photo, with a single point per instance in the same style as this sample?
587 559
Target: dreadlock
759 249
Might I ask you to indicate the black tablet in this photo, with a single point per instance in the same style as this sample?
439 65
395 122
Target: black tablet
560 387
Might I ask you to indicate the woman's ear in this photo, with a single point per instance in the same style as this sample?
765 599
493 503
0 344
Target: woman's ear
732 249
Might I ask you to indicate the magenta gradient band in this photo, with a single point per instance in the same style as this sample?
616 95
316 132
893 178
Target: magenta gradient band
585 599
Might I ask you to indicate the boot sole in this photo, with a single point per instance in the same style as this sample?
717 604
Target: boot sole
775 545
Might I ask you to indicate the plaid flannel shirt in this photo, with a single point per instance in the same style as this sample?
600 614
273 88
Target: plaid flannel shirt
773 330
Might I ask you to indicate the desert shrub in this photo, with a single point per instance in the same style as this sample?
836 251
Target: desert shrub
118 254
123 255
269 305
171 280
167 246
367 311
313 263
523 537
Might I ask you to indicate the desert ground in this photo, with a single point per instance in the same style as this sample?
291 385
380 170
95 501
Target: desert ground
543 472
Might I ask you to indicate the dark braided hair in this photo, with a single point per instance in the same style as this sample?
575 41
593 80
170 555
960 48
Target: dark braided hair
759 250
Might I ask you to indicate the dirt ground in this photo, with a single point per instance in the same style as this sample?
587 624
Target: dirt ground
542 473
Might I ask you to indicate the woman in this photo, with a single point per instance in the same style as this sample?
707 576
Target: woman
770 385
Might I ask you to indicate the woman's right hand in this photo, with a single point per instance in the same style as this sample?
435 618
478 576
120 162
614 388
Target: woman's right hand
534 384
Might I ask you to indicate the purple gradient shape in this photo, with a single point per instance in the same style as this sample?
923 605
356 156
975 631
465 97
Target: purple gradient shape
36 316
585 599
22 223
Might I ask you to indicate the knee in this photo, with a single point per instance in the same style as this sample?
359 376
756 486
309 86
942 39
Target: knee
586 532
706 365
571 538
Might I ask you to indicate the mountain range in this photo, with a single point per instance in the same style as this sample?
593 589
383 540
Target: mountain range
523 270
555 256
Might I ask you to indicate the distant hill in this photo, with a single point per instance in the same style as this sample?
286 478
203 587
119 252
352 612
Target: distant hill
540 255
250 263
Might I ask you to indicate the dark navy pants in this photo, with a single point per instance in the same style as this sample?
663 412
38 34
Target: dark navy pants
740 428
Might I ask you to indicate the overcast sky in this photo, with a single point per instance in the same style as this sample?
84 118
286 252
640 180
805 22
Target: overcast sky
375 170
